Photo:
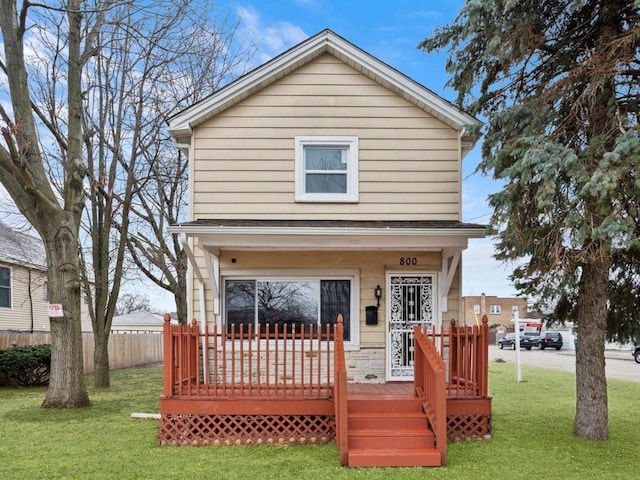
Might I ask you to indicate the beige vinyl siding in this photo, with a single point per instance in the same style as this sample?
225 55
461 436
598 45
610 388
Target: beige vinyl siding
19 316
371 265
409 165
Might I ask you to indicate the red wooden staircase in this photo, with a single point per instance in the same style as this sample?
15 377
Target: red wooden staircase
389 432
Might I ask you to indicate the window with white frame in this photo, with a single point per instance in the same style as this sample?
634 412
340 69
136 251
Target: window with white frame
326 169
476 309
495 309
288 303
5 287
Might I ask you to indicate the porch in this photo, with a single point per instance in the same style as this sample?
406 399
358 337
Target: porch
289 385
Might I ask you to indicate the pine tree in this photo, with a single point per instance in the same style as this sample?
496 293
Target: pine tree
557 81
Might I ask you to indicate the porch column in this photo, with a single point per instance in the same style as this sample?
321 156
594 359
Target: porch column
450 261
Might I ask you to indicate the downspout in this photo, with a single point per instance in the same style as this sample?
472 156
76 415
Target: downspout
460 135
201 300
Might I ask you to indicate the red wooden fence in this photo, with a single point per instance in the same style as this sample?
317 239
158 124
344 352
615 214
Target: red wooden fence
292 362
465 350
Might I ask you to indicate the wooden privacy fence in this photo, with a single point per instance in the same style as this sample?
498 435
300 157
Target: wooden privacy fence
234 362
125 350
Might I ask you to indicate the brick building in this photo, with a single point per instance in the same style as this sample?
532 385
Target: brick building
498 309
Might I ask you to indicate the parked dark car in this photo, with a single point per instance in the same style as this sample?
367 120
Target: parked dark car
509 341
636 354
529 340
549 339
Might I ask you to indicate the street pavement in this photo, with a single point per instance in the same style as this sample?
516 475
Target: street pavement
619 364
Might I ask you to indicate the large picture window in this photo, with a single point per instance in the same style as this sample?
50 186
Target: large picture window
326 169
287 304
5 287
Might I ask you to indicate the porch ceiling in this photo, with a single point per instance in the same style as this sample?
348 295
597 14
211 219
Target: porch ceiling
228 234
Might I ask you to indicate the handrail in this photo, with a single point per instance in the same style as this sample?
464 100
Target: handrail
430 387
340 392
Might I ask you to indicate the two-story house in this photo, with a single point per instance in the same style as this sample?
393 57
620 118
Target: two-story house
325 182
23 284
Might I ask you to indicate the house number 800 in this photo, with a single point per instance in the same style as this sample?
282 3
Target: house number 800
408 261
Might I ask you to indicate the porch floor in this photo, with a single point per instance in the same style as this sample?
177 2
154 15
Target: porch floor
380 390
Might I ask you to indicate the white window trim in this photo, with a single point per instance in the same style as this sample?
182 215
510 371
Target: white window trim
10 307
495 309
352 195
321 274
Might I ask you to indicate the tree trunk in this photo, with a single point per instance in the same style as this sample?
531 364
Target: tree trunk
67 387
591 420
101 373
180 297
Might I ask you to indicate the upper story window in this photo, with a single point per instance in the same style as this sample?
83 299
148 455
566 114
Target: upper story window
495 310
5 287
326 169
476 309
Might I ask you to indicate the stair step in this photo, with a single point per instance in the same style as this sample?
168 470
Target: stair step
398 438
385 405
394 457
386 420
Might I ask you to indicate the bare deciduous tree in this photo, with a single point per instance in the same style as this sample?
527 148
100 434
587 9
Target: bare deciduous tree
144 68
161 195
102 78
56 216
131 302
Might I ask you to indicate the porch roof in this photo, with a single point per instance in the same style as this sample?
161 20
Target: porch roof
221 234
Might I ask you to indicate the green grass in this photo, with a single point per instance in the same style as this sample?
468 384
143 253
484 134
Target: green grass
532 438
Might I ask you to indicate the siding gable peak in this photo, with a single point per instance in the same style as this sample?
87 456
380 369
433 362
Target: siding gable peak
182 124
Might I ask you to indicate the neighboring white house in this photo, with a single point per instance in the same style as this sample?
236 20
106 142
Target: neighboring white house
23 284
137 322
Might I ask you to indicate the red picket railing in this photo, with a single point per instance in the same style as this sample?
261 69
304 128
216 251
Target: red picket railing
468 375
277 362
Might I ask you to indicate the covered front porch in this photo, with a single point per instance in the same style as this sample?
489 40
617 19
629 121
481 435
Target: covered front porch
227 386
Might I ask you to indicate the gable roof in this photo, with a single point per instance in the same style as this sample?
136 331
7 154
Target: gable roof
21 249
182 124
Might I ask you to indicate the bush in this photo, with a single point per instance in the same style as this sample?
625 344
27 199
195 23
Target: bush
27 365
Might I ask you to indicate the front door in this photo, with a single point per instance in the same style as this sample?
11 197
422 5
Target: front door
410 302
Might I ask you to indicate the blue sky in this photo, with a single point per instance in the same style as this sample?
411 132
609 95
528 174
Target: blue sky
389 30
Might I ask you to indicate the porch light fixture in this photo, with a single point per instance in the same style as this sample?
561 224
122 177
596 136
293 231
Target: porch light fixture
378 293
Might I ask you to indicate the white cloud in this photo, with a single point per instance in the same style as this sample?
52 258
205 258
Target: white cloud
270 39
481 273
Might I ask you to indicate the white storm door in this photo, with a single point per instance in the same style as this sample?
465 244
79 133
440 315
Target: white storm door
410 302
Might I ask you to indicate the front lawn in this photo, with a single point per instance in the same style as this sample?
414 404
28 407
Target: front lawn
532 438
